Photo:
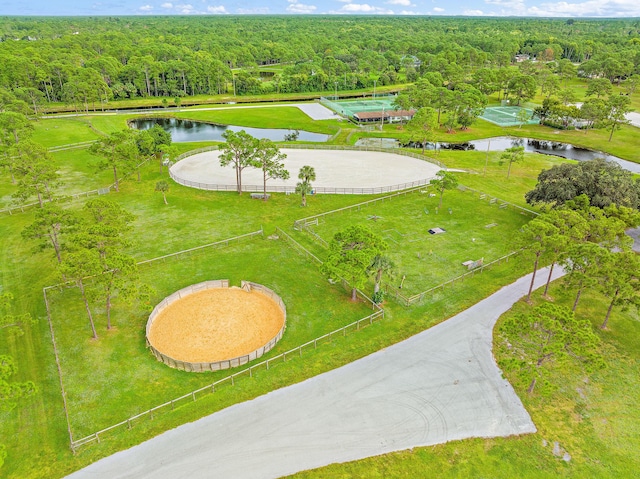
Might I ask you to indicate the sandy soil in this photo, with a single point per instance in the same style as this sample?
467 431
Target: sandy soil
216 324
334 169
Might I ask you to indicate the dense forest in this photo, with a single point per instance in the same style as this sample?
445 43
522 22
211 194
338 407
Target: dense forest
86 62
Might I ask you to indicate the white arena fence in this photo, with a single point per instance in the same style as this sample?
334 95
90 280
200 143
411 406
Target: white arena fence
319 189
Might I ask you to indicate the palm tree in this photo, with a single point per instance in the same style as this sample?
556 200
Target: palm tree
307 174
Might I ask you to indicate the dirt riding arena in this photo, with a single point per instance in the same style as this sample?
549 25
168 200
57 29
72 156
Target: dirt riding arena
337 171
210 326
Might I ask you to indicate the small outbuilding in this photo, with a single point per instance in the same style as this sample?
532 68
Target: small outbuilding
386 116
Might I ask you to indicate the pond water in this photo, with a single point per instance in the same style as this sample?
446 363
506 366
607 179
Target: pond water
501 143
187 130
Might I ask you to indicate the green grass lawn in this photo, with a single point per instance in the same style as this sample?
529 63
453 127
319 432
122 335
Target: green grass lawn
7 188
107 124
474 228
63 131
120 357
493 178
78 174
35 433
268 117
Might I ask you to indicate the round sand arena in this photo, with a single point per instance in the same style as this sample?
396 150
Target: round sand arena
337 171
215 327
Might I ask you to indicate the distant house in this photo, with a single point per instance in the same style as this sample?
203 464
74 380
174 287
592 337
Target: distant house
522 57
412 60
390 116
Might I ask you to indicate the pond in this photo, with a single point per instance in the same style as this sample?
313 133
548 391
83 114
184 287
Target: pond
501 143
188 130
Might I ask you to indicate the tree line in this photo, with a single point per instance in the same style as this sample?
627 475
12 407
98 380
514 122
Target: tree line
86 62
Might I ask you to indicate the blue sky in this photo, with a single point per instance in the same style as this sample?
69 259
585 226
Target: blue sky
542 8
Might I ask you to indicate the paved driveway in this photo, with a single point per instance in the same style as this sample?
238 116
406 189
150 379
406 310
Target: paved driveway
634 118
438 386
316 111
635 235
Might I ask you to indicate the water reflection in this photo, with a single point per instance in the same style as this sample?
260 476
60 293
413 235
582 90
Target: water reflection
531 145
188 130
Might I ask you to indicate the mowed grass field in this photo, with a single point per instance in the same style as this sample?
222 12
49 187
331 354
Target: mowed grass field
474 229
120 356
599 430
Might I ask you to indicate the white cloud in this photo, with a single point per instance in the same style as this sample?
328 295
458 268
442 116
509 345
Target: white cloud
404 3
216 10
253 11
146 8
408 12
438 9
473 13
590 8
509 7
167 5
364 8
295 7
186 9
357 7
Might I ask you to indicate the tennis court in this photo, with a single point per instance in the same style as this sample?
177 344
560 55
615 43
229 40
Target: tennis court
508 116
349 108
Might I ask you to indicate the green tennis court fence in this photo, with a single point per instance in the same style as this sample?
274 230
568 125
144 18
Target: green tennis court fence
351 107
508 116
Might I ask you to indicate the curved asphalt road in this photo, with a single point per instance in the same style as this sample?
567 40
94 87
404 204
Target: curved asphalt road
438 386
